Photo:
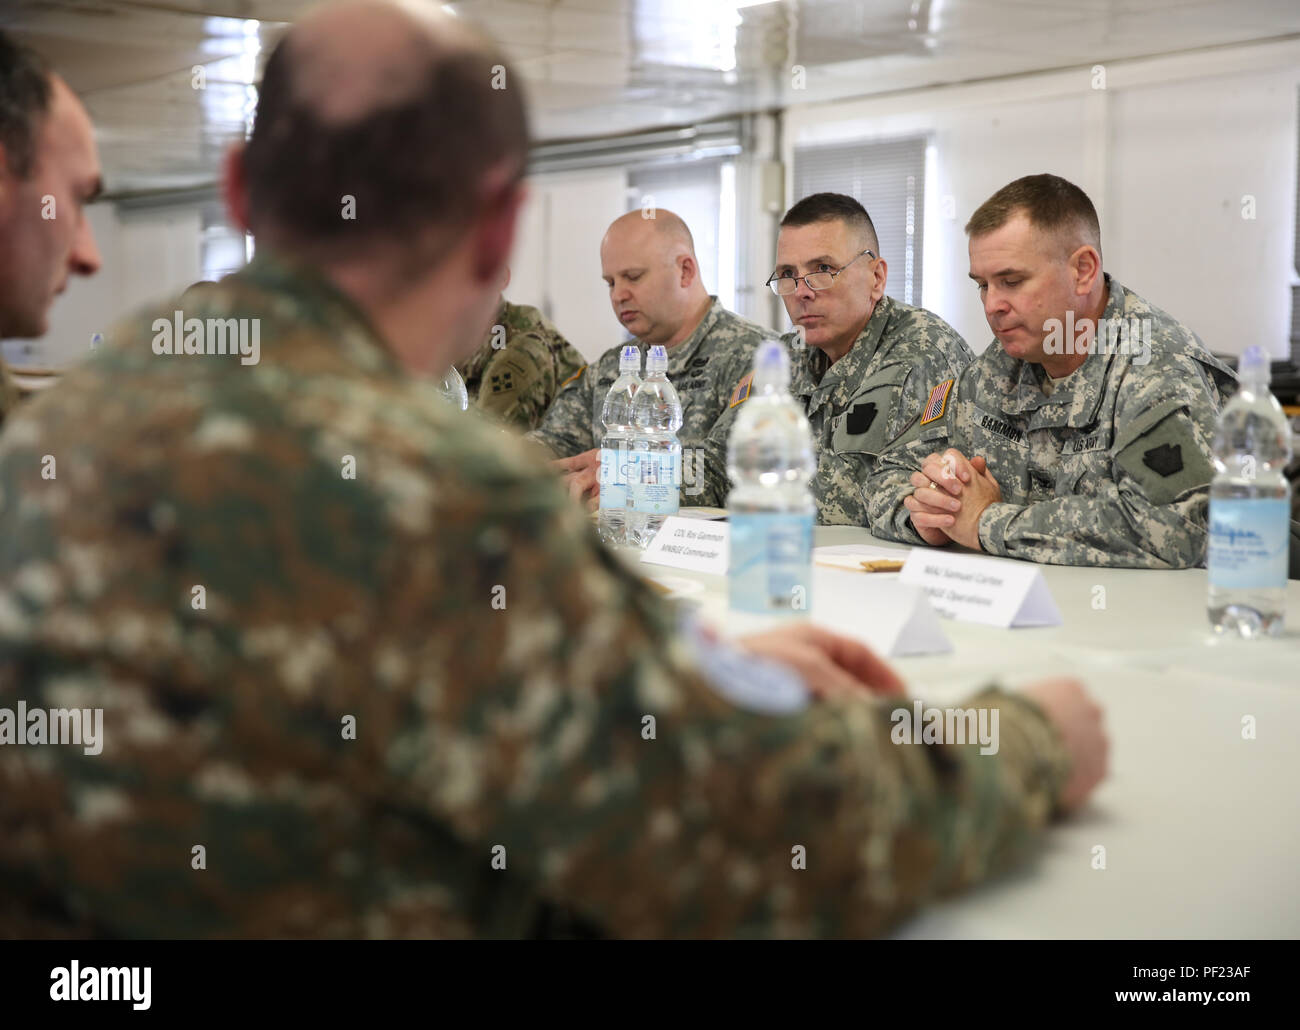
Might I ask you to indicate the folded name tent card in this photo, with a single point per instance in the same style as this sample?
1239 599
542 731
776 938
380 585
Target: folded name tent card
687 543
893 619
991 591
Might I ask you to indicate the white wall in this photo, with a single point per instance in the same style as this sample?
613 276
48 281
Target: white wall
1166 150
556 262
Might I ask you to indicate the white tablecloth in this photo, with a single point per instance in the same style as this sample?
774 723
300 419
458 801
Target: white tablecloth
1201 828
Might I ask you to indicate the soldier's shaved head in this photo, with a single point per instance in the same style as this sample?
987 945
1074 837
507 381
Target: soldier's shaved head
378 122
664 232
653 276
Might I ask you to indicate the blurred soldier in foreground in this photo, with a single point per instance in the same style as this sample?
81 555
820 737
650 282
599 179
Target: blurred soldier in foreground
519 367
862 362
49 171
363 669
653 276
1083 435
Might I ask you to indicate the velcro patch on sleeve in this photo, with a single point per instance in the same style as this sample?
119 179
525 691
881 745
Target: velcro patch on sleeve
938 402
741 392
1166 461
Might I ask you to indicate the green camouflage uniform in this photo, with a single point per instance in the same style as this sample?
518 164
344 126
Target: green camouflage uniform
500 666
517 370
866 402
1112 469
703 368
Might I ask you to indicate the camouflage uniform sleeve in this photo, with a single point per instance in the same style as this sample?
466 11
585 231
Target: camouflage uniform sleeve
518 383
885 414
1152 510
891 481
566 428
713 461
616 774
714 484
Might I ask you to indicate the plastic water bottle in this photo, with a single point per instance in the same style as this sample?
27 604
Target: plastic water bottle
655 465
771 460
616 418
1249 508
453 388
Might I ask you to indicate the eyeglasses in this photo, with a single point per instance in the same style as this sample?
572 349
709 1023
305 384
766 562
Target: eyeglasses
784 285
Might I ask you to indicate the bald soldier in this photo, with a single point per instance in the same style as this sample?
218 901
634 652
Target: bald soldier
362 668
655 290
518 368
49 172
862 362
1083 435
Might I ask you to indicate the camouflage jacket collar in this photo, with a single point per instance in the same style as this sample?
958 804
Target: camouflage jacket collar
682 353
303 294
816 378
1077 398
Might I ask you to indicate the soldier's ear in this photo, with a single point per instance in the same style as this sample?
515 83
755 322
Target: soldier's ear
689 270
881 277
234 186
494 235
1085 266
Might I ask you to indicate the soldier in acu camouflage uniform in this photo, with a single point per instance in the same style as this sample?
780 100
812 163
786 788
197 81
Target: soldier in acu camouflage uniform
364 670
49 171
519 367
861 360
649 265
1072 441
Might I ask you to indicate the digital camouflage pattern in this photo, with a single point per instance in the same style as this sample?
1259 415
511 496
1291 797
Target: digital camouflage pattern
1112 469
517 371
703 369
499 664
868 401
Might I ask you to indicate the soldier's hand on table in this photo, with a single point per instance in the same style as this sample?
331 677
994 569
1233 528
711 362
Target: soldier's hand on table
830 664
581 475
976 495
936 498
1078 720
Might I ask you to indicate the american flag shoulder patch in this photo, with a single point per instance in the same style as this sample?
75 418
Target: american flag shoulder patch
572 378
938 402
741 392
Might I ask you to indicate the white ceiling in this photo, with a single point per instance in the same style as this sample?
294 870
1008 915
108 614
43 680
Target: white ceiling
603 67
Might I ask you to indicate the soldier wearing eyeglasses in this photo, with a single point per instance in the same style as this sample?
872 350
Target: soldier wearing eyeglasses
864 365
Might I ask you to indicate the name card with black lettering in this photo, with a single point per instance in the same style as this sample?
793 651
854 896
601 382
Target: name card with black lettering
687 543
992 591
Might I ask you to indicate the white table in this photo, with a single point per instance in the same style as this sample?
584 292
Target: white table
1201 827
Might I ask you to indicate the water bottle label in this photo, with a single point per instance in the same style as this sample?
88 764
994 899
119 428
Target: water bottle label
654 483
1248 543
770 568
613 478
